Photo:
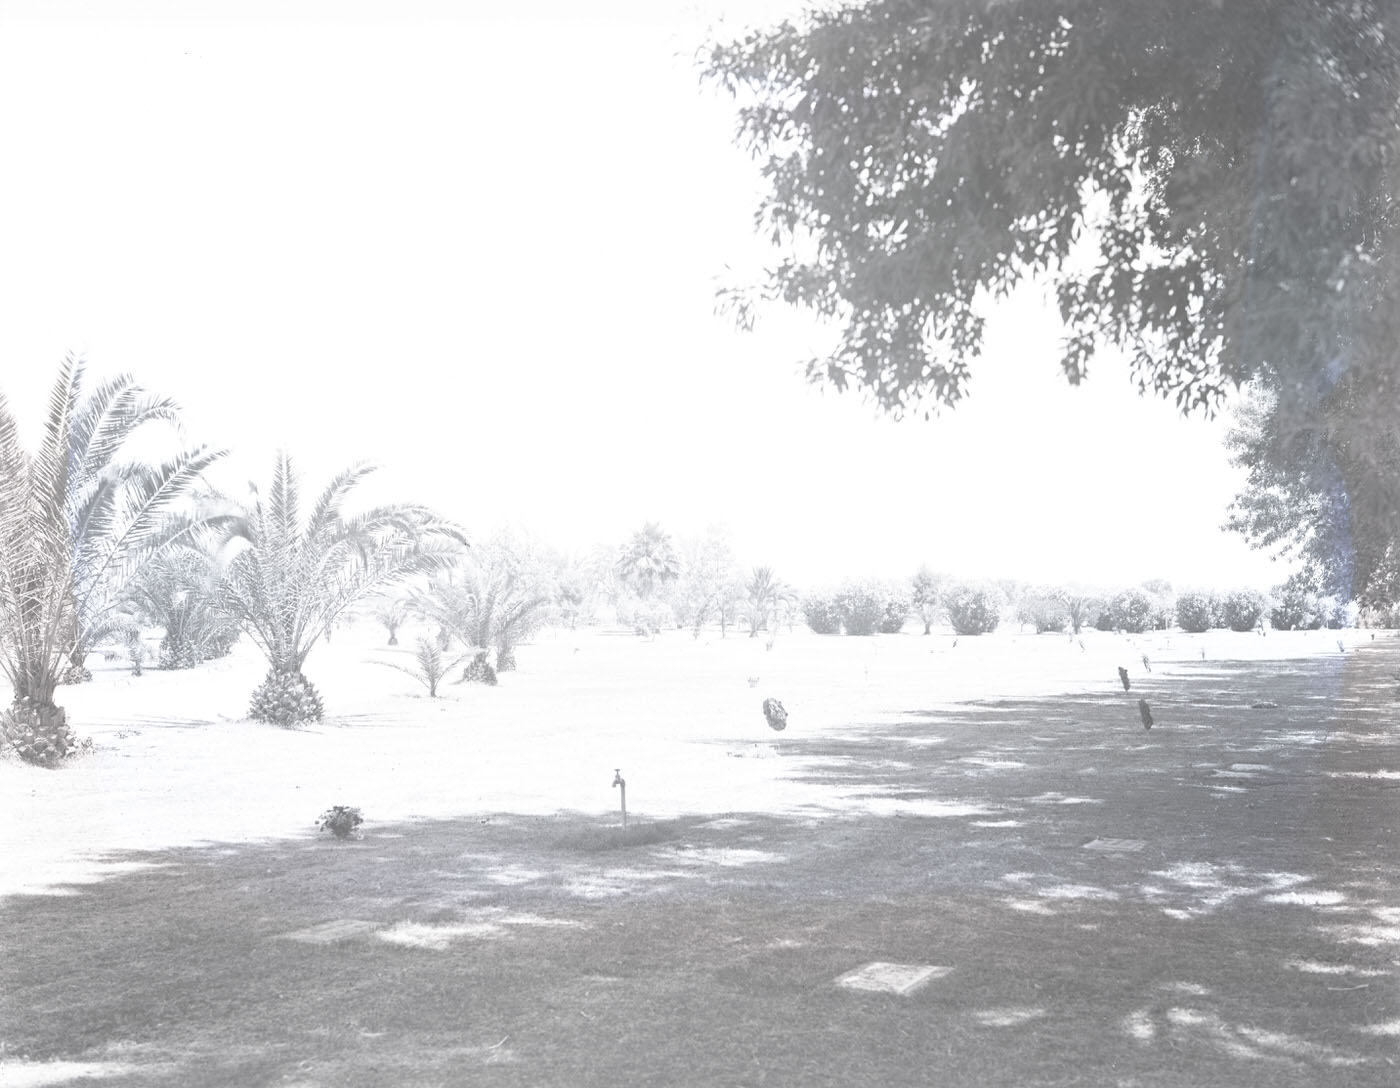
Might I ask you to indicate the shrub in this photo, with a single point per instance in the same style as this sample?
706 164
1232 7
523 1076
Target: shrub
1295 609
340 820
821 614
1045 609
861 607
896 610
1163 615
1132 611
1242 610
1197 611
973 609
1336 613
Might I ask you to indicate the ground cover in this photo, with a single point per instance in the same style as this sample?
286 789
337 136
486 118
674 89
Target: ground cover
1211 902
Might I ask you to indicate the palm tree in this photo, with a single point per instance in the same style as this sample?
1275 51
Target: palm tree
178 590
648 560
77 519
288 578
493 604
764 600
392 613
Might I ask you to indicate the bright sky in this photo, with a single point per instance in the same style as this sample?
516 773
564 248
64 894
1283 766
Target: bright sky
481 250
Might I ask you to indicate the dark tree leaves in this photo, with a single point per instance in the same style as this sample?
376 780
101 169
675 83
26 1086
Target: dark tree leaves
1205 184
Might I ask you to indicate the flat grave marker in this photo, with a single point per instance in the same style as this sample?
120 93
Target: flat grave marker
1115 846
891 978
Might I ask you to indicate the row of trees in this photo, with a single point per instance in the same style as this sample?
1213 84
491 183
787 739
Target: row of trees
93 539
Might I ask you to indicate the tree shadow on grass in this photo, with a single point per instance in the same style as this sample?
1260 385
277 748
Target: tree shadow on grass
1234 925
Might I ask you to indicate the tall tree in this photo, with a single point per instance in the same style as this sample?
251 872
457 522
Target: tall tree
289 574
76 520
648 560
1219 173
1207 186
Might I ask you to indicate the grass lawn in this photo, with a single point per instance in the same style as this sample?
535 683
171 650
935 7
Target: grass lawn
1213 902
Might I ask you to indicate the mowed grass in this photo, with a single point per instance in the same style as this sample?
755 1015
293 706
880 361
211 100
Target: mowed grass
1252 939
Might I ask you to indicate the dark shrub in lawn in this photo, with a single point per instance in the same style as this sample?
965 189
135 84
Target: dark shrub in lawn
1242 610
1197 611
861 607
821 614
1295 609
1045 609
1132 611
973 609
340 820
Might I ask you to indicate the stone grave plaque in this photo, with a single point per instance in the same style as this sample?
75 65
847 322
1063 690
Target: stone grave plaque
1115 846
891 978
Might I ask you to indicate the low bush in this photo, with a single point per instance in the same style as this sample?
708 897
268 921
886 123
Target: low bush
1132 610
1242 610
1045 609
1295 609
821 614
340 820
897 604
1197 611
861 607
973 608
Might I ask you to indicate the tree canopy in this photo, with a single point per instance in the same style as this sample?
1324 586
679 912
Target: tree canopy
1204 185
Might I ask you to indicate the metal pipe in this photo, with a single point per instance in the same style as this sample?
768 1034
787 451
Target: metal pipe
621 783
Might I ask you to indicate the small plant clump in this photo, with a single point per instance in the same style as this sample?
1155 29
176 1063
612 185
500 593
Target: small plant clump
340 820
285 698
40 734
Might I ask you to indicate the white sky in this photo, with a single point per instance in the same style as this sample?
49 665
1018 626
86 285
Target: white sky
480 249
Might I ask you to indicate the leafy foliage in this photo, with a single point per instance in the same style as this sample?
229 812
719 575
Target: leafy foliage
1044 608
1197 611
496 600
391 613
710 586
765 597
861 606
925 596
1295 608
290 575
1132 610
648 560
77 518
1081 606
430 667
973 608
178 590
1242 610
340 820
1218 173
822 614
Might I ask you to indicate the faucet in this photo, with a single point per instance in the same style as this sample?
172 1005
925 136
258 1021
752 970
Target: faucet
621 783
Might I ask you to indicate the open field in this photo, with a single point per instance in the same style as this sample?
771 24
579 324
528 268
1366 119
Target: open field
1215 902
